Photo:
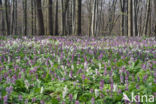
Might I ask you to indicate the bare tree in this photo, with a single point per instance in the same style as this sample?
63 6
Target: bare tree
93 18
147 17
25 16
130 17
40 17
78 17
73 16
7 17
155 16
64 7
50 17
56 18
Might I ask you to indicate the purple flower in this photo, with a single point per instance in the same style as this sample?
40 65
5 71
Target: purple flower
93 101
26 101
71 74
33 99
63 102
83 77
5 98
20 97
77 102
91 90
119 91
144 66
42 102
105 72
70 97
9 89
145 77
137 86
101 84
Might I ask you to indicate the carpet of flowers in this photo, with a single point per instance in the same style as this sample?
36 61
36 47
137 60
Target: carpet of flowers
75 70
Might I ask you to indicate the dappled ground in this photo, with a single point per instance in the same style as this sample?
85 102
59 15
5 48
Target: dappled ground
75 70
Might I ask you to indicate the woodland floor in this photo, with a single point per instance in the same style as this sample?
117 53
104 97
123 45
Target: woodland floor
73 70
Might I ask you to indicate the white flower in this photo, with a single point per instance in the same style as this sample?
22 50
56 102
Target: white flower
115 88
85 65
96 71
65 92
59 60
96 92
41 90
26 84
72 67
100 66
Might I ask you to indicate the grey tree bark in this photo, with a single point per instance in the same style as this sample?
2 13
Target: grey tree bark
40 18
130 17
56 19
50 17
78 17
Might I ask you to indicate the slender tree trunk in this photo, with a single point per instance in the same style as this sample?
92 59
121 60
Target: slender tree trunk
40 17
56 19
64 7
16 17
25 16
32 17
78 17
73 17
155 17
13 17
147 17
7 16
122 6
126 18
89 8
130 17
93 18
1 16
136 9
50 17
35 18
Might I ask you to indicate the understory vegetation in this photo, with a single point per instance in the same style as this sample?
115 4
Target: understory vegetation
75 70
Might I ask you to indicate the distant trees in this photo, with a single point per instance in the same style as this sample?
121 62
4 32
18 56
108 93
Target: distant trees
78 17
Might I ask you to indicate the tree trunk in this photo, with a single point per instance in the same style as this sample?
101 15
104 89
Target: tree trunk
130 17
136 9
7 16
122 6
40 17
147 17
64 6
78 17
0 16
93 18
155 16
73 17
25 16
50 17
56 19
32 17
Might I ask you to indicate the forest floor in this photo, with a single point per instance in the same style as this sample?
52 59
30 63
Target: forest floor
73 70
